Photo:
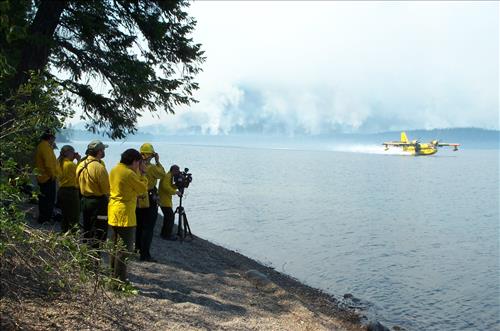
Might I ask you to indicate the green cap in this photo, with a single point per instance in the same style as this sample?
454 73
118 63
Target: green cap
67 148
96 145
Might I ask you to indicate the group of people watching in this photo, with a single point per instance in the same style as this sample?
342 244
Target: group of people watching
126 200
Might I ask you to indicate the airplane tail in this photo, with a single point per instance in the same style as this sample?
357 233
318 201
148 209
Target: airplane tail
404 138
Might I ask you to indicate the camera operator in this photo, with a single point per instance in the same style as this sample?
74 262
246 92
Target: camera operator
166 190
147 207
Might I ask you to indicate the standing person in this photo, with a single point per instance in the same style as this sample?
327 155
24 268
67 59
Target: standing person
166 190
147 205
93 180
127 182
46 164
68 196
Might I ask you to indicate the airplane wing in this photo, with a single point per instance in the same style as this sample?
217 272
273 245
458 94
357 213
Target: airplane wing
448 144
455 146
396 144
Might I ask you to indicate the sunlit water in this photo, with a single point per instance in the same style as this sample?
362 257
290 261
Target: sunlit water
416 238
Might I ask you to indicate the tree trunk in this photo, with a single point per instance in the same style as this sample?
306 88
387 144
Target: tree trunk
36 49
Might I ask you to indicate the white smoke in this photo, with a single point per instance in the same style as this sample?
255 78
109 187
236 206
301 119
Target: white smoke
348 66
305 111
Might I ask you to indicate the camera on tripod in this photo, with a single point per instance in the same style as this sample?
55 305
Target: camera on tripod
182 179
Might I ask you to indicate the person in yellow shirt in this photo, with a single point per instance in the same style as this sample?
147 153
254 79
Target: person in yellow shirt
68 196
93 181
46 165
147 205
127 182
166 190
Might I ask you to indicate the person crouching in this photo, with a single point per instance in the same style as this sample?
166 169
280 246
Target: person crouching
127 182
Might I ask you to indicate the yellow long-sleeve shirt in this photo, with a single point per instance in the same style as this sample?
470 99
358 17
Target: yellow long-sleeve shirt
126 186
92 177
67 174
166 189
45 162
153 173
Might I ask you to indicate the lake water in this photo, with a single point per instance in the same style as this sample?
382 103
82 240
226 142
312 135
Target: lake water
416 238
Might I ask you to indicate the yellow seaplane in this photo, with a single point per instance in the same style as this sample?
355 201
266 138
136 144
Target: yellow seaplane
415 147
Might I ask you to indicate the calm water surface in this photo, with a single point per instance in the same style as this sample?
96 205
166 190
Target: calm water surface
416 238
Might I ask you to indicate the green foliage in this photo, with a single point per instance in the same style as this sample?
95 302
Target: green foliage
114 59
127 289
36 110
35 263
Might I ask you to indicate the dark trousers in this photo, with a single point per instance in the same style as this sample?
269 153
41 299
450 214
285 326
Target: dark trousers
146 221
168 222
46 200
68 199
95 228
118 258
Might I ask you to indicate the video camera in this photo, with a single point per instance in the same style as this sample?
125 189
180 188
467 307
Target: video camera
182 179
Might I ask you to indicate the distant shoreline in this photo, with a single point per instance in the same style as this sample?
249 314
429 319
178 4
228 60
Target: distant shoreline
469 138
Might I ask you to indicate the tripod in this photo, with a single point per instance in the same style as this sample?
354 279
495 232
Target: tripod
183 228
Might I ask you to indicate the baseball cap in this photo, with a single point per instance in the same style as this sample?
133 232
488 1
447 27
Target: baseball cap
67 148
96 145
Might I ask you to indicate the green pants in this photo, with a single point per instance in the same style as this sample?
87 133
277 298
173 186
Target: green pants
69 201
117 259
95 224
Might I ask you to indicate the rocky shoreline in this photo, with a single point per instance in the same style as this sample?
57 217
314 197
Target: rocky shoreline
223 289
197 285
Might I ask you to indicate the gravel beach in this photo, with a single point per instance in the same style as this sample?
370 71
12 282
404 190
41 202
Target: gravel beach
194 285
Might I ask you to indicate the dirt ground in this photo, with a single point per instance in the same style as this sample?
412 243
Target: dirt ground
195 285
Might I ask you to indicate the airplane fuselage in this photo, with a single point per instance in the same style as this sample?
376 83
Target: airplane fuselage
421 149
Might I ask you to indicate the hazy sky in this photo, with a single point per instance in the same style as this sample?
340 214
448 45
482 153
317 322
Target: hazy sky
317 67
